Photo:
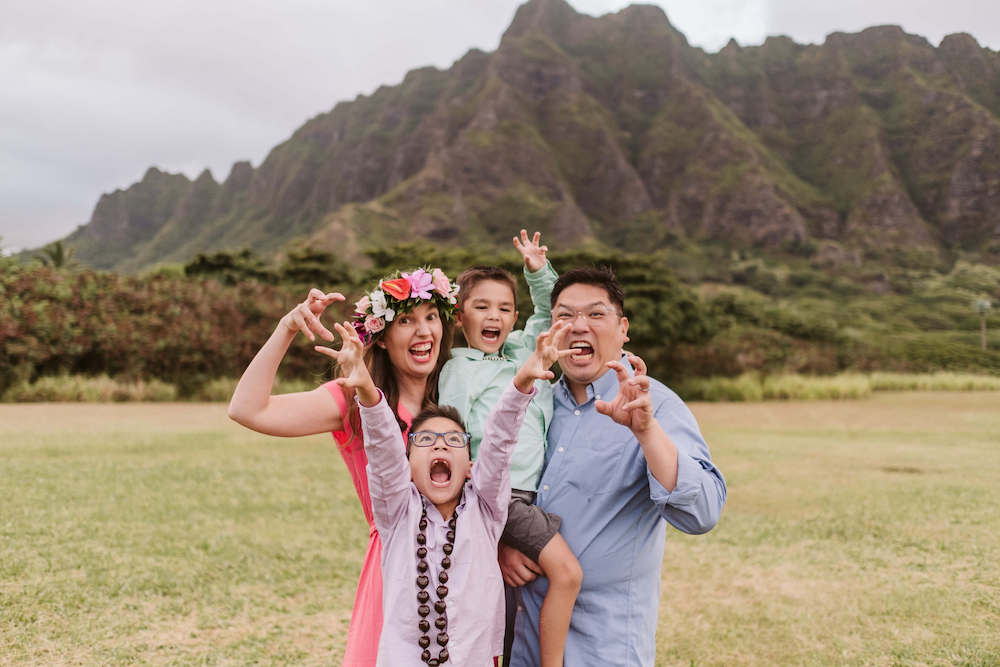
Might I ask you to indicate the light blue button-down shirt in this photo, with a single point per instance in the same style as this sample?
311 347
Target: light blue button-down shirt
614 515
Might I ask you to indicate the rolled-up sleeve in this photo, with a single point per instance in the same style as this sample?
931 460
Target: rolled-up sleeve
695 504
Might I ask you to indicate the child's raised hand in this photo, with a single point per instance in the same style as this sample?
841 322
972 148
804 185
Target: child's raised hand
531 251
350 358
546 353
632 406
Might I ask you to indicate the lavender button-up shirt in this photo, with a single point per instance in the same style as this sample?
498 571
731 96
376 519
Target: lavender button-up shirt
475 599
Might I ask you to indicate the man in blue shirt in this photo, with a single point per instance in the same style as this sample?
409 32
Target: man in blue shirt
624 458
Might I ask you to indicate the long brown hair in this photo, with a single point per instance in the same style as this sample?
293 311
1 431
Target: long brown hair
381 369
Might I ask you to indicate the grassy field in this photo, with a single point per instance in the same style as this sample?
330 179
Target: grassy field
856 532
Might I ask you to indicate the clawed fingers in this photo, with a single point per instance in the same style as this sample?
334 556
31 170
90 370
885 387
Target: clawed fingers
558 332
639 382
328 351
638 364
309 323
620 371
641 402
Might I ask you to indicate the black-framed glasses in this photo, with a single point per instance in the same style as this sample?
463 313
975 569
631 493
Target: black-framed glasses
428 438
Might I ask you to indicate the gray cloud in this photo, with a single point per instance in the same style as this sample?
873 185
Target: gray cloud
96 92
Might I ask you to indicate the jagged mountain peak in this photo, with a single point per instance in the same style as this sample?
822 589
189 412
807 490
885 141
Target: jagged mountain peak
614 128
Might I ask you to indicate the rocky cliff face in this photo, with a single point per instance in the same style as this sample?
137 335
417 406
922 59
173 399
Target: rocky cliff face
614 128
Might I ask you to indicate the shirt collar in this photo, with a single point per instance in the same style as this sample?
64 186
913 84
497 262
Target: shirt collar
435 514
476 355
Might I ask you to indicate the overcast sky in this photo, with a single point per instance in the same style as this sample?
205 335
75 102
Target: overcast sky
95 92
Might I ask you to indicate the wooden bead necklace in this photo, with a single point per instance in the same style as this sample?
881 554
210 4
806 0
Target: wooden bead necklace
423 597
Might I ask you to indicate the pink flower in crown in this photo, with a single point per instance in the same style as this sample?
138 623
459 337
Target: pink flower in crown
420 283
362 305
374 324
441 283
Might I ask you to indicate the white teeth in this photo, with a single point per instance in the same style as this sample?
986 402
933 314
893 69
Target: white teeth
421 347
575 345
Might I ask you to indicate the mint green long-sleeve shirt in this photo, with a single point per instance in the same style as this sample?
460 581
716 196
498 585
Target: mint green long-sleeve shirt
473 382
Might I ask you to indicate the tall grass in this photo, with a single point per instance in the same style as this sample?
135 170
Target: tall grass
104 389
940 381
790 386
84 389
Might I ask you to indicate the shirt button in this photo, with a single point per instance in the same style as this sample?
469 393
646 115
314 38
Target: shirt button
576 412
560 449
597 396
545 487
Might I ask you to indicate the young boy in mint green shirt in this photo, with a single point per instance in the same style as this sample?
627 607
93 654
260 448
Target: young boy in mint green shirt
474 379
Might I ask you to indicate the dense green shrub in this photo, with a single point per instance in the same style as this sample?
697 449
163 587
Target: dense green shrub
180 331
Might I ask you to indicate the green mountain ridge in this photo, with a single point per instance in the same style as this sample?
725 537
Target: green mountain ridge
614 129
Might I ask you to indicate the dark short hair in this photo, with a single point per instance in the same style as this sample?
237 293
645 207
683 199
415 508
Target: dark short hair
602 277
432 411
476 274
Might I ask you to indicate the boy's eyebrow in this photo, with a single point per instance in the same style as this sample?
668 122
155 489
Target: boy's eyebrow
483 298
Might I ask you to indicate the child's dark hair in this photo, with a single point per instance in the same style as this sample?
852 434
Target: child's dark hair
476 274
602 277
432 411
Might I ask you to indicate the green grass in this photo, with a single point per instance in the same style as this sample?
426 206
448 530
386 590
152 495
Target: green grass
857 532
104 389
792 386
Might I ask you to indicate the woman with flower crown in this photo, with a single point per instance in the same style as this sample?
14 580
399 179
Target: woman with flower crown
404 322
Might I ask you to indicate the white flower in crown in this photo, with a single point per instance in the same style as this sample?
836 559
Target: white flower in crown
379 307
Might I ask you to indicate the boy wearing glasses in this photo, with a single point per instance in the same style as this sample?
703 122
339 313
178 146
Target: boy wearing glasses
440 519
473 381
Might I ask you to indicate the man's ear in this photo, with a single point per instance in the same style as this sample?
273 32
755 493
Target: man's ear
624 329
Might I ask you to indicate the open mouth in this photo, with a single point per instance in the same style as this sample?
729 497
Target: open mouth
582 351
440 472
490 335
422 351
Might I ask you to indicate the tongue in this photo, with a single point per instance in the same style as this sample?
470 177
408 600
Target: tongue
440 473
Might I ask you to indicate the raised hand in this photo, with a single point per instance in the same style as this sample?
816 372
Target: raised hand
350 358
632 407
531 251
305 316
547 352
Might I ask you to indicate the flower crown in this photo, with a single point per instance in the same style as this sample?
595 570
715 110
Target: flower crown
374 311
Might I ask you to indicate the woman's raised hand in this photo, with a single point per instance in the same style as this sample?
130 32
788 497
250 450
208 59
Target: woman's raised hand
305 316
546 353
350 358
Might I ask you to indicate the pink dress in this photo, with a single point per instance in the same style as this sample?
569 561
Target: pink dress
366 618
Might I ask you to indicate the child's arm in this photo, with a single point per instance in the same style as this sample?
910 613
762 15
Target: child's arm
388 471
541 277
491 474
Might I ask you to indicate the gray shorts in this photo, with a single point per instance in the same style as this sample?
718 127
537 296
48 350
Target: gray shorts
529 528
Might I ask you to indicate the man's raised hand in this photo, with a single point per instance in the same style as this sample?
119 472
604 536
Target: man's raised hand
632 407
